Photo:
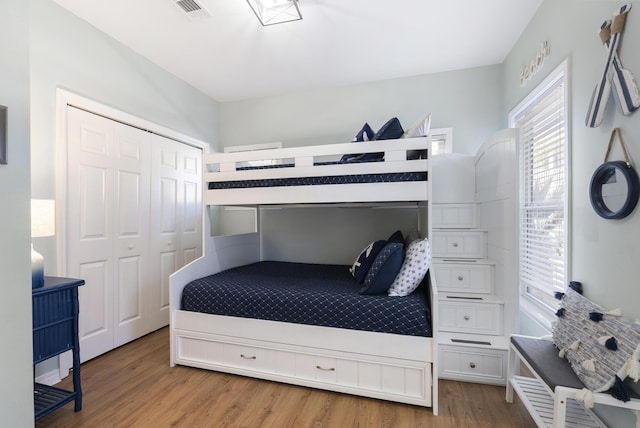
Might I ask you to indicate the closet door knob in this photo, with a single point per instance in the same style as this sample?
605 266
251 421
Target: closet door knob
460 278
455 244
466 317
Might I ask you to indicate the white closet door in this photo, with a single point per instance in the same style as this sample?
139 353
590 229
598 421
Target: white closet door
108 245
131 233
176 220
90 239
134 216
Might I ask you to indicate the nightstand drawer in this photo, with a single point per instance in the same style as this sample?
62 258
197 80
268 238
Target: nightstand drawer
53 320
464 277
454 216
470 316
473 364
459 244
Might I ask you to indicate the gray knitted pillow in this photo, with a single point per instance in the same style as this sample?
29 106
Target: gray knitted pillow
603 348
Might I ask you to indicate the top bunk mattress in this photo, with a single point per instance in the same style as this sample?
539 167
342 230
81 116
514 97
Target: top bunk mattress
302 293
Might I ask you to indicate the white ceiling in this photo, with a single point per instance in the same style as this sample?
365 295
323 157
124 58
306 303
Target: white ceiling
230 56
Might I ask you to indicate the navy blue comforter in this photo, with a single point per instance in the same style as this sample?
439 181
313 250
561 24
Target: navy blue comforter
324 295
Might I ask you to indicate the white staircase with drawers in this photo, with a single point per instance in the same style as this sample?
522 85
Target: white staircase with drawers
474 247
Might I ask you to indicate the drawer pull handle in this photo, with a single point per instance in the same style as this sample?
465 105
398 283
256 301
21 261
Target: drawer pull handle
460 278
455 244
253 357
466 317
325 369
472 365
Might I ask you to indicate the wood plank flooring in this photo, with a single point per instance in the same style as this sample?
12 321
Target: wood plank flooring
133 386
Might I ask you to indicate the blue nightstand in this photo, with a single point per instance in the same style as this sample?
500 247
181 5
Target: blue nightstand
55 330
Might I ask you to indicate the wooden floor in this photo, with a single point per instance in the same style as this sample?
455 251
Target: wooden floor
133 386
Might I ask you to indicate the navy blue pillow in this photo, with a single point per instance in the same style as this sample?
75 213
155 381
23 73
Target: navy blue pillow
365 134
389 131
384 269
365 259
396 237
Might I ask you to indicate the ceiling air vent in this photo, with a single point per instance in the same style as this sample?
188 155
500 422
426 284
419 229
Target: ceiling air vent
192 8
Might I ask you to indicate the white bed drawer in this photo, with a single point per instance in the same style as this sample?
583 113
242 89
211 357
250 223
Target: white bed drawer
464 277
470 316
459 244
454 216
238 356
473 364
360 374
371 376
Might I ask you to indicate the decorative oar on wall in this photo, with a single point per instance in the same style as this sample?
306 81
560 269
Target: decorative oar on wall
624 83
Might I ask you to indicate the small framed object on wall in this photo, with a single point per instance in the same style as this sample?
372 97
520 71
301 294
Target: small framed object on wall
3 135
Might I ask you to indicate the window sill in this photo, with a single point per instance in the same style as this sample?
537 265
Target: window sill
539 313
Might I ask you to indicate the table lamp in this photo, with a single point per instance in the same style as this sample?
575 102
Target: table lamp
43 215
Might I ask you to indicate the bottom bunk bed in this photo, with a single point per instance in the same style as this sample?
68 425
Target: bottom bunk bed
332 337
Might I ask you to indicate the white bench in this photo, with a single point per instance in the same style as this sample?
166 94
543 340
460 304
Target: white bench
549 396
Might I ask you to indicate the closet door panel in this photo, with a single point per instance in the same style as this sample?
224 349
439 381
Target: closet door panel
167 198
192 208
168 265
131 247
176 223
130 291
90 226
95 328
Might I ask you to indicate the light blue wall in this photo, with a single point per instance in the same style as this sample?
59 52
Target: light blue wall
604 253
70 54
16 388
466 100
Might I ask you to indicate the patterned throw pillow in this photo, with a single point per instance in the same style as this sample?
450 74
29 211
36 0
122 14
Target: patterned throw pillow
365 259
384 269
603 348
416 264
420 128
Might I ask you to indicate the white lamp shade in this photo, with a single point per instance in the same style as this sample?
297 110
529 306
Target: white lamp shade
271 12
43 217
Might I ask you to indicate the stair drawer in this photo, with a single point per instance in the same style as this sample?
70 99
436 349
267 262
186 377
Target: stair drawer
459 244
472 364
468 316
454 216
464 277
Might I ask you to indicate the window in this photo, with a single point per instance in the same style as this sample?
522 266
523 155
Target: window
441 140
543 188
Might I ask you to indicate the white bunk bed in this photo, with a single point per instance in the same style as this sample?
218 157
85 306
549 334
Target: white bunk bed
379 365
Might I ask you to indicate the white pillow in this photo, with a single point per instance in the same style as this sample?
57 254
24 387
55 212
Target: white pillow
415 266
420 128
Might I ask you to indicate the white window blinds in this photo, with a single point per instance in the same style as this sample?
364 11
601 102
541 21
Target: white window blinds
543 189
441 140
